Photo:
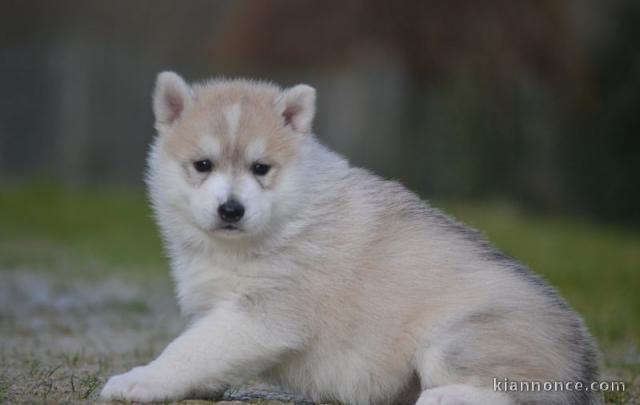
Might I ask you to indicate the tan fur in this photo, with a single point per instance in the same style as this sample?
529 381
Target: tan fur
207 118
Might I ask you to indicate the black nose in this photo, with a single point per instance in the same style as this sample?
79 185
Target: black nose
231 211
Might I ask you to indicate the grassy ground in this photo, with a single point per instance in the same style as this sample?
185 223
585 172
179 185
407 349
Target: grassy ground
76 303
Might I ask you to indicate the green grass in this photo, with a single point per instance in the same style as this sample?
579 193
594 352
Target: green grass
45 227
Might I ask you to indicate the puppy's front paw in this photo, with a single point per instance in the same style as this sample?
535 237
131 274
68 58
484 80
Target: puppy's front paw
142 384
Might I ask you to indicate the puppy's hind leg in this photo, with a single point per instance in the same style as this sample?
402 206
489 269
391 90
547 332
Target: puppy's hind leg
442 386
459 394
447 377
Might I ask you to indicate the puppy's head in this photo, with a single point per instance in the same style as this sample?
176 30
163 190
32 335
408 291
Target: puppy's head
224 161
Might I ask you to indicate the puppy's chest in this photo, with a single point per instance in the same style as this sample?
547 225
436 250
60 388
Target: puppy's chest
201 284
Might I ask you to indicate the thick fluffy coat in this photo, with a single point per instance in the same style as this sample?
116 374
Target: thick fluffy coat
334 283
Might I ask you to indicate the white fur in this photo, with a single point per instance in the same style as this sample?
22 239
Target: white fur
209 146
232 114
461 395
343 286
204 201
255 150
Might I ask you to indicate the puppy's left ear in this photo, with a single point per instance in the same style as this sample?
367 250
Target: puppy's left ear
297 106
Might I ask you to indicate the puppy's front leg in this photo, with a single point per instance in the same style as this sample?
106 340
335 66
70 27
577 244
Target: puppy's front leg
225 347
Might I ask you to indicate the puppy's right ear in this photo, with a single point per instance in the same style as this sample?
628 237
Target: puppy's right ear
171 97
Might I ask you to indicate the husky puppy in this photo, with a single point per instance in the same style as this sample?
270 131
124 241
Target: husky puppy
299 269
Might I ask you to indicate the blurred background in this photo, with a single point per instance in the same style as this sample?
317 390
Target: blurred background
535 102
519 118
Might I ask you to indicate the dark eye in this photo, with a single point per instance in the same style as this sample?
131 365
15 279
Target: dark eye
203 166
260 169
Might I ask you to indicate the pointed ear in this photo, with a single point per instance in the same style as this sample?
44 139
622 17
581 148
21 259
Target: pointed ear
171 97
297 106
